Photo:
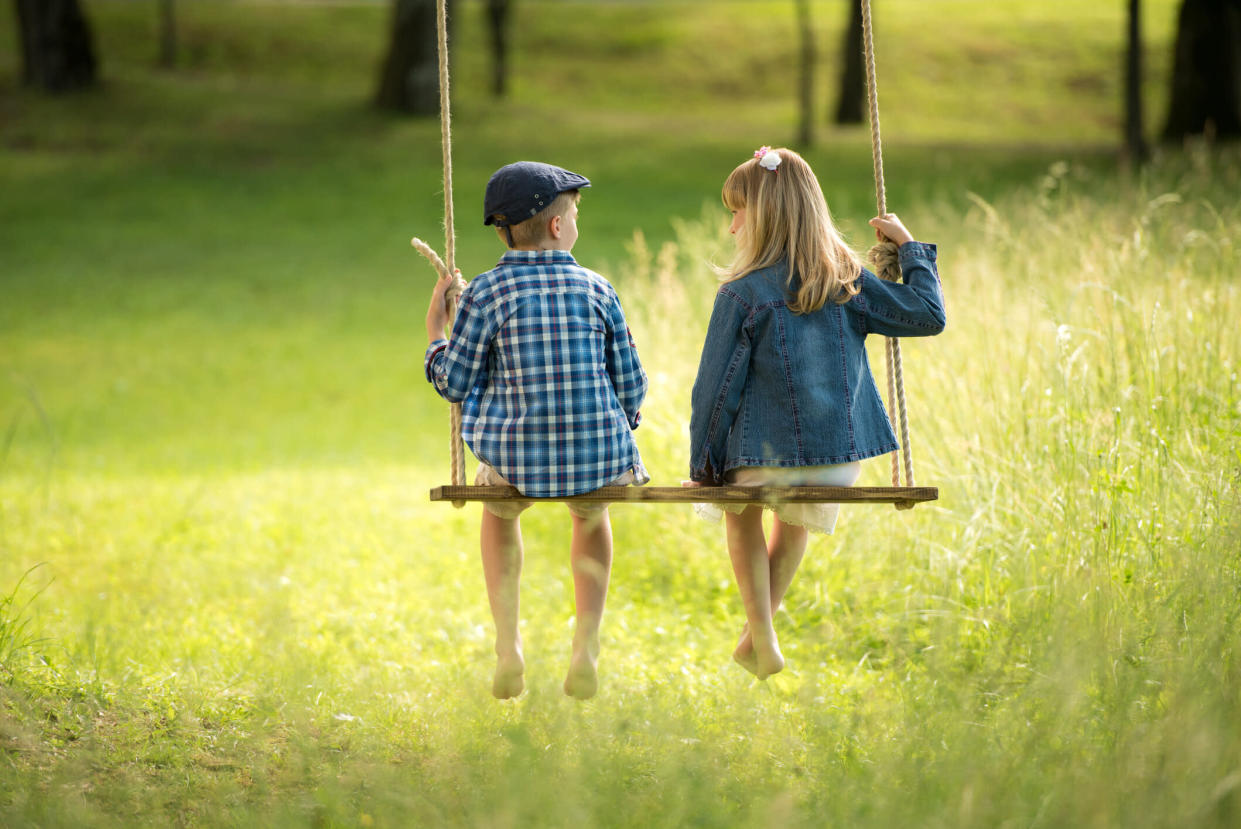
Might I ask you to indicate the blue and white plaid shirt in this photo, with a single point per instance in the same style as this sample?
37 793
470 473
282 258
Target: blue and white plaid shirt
546 369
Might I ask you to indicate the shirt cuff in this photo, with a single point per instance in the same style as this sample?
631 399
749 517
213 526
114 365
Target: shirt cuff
917 250
433 351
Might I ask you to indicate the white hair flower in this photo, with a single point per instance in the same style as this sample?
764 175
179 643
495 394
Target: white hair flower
768 158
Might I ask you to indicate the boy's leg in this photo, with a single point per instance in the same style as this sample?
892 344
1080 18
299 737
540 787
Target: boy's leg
784 554
591 558
747 547
502 559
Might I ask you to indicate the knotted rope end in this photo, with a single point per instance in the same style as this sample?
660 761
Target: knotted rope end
458 284
886 258
430 254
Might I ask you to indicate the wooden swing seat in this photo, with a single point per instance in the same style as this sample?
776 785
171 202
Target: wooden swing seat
900 495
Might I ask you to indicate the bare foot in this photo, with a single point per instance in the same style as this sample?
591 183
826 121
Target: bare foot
767 657
743 655
582 681
509 680
768 664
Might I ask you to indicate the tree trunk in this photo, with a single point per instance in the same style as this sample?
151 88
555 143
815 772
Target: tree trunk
497 17
409 80
1206 71
167 34
58 53
1136 149
805 129
849 106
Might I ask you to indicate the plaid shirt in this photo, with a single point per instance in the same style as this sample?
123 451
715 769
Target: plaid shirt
547 372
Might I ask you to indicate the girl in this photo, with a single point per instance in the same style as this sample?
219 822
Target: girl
784 394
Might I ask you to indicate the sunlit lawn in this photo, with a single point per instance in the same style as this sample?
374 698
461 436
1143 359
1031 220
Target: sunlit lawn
216 443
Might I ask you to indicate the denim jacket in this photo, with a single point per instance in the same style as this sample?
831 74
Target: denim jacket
776 388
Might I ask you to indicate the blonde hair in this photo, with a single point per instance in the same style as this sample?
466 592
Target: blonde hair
786 218
533 231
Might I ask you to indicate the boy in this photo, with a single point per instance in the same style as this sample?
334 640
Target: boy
546 369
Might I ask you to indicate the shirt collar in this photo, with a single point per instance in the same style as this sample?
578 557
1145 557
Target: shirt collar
537 257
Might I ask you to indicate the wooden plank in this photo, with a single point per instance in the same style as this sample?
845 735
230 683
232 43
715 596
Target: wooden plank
707 494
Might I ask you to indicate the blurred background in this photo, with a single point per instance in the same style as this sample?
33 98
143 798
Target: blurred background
302 113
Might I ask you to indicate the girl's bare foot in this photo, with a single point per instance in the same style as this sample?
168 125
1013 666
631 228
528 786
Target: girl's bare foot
743 655
767 657
509 680
766 664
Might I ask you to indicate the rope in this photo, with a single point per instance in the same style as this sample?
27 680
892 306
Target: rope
456 447
446 267
887 264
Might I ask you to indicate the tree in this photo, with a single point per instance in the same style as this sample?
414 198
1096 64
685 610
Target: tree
58 52
497 18
849 105
805 128
409 79
1135 141
1206 71
167 34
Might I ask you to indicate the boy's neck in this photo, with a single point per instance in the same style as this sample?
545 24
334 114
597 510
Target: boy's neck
541 247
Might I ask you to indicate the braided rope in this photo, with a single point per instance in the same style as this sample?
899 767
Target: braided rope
446 267
457 448
887 263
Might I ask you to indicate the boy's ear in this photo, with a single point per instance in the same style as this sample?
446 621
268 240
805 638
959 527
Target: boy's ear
553 227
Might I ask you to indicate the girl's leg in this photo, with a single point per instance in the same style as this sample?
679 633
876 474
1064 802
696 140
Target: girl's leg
747 547
591 559
502 558
784 555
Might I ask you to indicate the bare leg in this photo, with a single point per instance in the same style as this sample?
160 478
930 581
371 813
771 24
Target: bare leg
591 558
502 558
785 552
747 547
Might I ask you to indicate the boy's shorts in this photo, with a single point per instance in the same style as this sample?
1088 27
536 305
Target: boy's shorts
488 476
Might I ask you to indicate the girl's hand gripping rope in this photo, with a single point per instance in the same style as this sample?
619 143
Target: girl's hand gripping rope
890 229
885 256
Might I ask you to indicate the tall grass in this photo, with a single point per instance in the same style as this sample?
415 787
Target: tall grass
1054 642
15 629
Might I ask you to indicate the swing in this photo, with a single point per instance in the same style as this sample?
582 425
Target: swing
887 266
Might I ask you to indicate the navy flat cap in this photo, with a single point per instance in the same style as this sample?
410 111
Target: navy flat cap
518 191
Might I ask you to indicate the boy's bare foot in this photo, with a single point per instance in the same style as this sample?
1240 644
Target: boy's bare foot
509 680
582 681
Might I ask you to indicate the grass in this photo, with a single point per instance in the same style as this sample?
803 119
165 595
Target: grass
217 437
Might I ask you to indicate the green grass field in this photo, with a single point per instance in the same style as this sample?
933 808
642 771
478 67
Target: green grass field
226 600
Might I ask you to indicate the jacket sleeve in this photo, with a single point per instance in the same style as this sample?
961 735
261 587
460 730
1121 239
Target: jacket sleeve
624 367
456 365
716 397
913 307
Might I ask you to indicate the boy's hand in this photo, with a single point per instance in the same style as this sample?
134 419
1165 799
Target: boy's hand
437 312
889 228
